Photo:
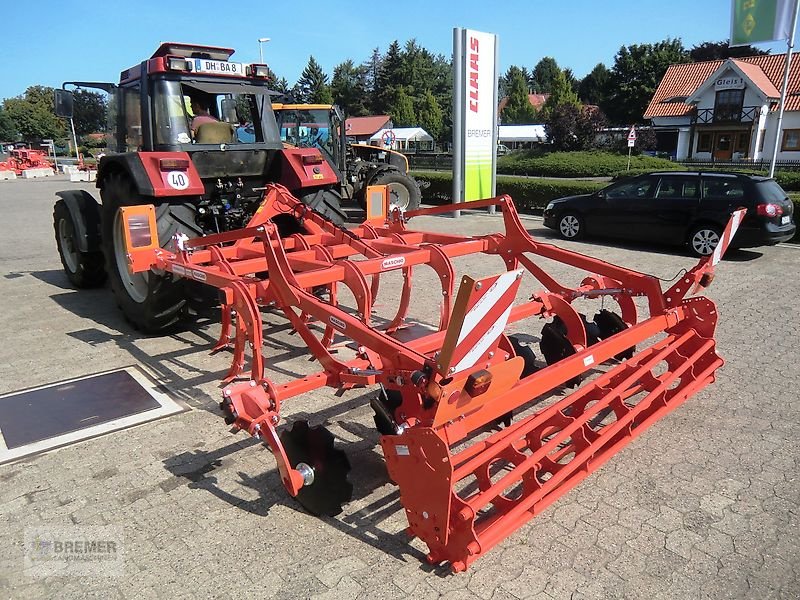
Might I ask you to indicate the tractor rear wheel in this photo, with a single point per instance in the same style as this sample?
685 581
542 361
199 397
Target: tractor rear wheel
325 201
404 192
152 302
83 269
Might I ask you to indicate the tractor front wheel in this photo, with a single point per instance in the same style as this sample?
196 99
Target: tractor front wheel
152 302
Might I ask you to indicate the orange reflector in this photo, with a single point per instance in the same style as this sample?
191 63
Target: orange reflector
139 231
173 164
377 203
312 159
478 382
141 235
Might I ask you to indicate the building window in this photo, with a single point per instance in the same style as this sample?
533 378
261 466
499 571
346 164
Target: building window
763 134
791 139
704 142
743 143
728 106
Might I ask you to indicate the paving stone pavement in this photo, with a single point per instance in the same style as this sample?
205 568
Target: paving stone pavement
703 505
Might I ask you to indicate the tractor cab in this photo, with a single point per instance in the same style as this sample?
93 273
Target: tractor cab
185 97
313 126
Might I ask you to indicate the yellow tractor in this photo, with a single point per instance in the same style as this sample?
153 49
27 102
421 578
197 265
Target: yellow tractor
356 165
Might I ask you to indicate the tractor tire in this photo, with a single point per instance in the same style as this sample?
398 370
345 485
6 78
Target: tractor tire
83 269
326 202
404 192
153 303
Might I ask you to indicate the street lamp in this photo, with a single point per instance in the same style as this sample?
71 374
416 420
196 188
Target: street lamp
261 41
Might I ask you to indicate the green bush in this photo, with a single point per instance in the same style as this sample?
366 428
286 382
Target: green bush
576 164
529 195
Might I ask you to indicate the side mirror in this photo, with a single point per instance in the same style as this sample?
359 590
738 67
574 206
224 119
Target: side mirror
64 101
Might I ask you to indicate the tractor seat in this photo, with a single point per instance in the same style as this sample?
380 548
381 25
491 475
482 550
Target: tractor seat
214 133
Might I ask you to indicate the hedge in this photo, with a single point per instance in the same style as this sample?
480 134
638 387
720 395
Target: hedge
530 195
576 164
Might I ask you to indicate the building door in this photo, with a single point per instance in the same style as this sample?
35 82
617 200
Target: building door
723 145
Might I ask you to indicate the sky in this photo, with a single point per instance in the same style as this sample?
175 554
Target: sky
48 43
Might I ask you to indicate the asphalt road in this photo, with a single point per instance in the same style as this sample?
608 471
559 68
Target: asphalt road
703 505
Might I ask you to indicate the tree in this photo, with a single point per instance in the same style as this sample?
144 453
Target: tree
561 93
544 73
8 129
430 116
593 87
637 71
312 87
401 109
721 50
389 78
33 114
89 112
347 88
372 67
518 109
573 127
281 85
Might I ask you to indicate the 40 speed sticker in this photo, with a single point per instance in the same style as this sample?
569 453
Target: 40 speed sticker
178 180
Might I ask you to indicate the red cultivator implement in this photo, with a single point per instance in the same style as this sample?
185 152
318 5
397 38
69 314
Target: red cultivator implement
466 482
21 159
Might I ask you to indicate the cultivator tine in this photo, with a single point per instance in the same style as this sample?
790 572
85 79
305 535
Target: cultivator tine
465 483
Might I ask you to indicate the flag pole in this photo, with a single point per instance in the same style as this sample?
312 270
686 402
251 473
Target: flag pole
789 47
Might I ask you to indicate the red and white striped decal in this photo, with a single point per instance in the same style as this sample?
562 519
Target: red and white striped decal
727 235
480 315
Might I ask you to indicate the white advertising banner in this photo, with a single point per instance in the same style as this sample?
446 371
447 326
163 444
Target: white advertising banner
476 112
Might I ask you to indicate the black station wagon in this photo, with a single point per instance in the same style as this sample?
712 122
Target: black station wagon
678 208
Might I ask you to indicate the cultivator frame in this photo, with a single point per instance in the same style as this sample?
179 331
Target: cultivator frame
465 482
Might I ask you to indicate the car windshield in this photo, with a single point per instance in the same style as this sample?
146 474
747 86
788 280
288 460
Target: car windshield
197 114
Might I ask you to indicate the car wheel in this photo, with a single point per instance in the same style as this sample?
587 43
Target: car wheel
703 239
570 226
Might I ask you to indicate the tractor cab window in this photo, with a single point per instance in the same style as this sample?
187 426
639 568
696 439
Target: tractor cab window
307 129
208 114
132 125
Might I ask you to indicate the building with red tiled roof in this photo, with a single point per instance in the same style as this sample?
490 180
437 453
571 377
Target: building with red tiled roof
363 128
727 109
537 101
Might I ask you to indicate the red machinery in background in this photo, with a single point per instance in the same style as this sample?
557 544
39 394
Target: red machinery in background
20 159
466 480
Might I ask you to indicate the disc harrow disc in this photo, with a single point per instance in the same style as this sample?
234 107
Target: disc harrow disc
314 446
610 323
527 354
556 346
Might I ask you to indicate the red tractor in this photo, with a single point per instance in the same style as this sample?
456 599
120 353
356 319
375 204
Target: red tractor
194 134
20 159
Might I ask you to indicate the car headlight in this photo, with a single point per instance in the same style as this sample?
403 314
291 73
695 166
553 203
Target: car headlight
550 206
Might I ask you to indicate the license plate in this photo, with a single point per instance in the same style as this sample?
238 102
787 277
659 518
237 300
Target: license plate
786 219
218 67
